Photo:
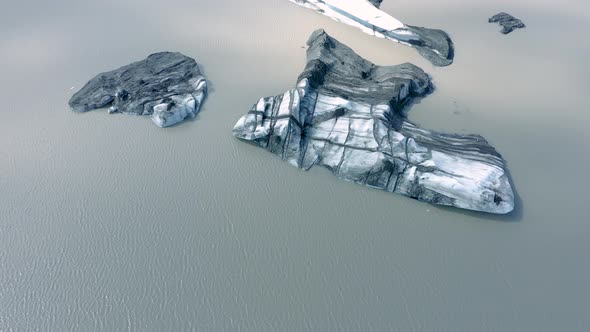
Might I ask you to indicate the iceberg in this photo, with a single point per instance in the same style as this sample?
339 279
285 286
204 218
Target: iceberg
508 22
168 86
434 45
349 115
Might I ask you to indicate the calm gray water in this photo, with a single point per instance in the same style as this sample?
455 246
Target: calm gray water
109 223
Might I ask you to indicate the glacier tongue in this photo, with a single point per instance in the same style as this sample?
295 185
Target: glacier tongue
347 114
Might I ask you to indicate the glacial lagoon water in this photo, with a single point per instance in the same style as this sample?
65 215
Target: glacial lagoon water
109 223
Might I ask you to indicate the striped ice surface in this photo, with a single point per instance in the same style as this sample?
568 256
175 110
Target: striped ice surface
347 114
434 45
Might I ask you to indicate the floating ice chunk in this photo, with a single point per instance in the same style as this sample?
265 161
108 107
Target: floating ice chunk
349 117
168 86
434 45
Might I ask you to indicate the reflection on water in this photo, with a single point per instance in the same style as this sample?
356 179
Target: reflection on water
109 223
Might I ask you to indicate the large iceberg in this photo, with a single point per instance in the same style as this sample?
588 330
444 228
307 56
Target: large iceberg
348 115
434 45
168 86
